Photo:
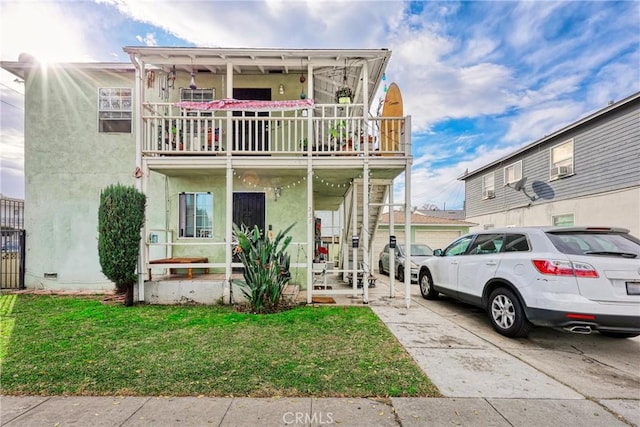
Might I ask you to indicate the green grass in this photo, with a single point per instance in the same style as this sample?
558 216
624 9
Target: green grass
79 346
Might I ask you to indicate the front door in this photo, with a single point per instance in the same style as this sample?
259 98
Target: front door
253 135
248 210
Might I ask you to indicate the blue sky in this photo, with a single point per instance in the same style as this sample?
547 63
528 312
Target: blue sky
479 79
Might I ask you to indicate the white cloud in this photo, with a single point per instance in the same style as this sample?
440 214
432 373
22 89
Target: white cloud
148 40
44 30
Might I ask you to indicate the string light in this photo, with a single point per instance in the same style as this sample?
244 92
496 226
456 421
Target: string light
295 183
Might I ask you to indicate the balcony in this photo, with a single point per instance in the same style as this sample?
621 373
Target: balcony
322 130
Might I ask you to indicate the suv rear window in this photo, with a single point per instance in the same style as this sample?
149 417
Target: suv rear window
596 243
516 243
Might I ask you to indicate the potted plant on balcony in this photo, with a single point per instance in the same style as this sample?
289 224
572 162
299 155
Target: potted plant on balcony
344 95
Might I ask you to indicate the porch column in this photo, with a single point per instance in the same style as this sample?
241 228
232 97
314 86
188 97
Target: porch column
365 232
407 207
392 251
228 237
137 118
310 230
354 233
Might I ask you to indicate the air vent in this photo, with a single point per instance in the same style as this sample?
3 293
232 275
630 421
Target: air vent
560 171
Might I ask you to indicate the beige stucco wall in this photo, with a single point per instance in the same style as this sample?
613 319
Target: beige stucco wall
620 208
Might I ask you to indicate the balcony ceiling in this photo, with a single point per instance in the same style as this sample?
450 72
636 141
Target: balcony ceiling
330 66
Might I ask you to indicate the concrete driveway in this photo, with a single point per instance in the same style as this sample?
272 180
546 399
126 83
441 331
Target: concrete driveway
456 346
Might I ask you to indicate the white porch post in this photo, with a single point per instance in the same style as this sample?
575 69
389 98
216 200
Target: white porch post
365 233
227 292
228 256
407 216
310 231
354 233
392 251
310 214
139 97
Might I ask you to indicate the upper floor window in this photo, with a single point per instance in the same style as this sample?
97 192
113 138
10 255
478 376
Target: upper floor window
114 110
196 215
513 173
488 186
562 160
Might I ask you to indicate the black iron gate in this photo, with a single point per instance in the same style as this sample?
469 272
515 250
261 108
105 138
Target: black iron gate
12 254
12 239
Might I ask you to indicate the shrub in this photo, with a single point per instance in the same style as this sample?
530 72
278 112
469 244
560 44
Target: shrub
266 267
120 218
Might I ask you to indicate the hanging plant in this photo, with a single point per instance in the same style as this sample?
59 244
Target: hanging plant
344 95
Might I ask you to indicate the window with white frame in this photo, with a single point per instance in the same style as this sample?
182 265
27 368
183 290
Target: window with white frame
488 186
513 172
562 159
114 110
195 215
565 220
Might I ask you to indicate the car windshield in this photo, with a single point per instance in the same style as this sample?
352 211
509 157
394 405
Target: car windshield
417 250
596 243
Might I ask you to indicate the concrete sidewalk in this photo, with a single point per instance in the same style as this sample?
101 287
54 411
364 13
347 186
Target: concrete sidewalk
194 411
483 385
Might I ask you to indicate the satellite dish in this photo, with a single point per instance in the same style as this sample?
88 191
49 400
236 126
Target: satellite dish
519 185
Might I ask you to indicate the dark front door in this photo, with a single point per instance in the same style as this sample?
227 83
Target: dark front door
252 135
248 210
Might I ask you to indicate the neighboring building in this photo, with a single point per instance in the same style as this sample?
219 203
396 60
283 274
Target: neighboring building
447 213
11 221
213 137
587 173
433 231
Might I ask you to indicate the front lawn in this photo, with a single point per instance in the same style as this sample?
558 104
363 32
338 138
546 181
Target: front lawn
52 345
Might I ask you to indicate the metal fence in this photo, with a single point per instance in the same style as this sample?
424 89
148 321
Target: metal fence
12 243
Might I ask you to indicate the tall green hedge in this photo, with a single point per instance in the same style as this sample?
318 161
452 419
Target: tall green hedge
120 218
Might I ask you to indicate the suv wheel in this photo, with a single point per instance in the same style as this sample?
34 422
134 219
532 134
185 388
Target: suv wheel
507 315
381 268
426 286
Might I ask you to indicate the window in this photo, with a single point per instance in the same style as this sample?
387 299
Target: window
196 215
513 173
486 244
516 243
197 95
488 186
562 160
114 110
458 247
565 220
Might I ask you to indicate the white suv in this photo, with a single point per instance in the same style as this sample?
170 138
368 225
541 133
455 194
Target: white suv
576 278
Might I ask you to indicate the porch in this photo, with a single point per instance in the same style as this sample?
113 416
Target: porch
303 128
208 289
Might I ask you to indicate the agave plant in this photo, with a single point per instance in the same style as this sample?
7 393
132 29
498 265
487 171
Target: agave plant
266 267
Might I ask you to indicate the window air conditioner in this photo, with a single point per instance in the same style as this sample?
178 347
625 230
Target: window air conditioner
488 194
559 171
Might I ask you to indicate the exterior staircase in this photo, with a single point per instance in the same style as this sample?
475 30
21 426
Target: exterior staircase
378 191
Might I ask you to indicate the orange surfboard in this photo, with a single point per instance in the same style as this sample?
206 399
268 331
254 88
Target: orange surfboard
392 126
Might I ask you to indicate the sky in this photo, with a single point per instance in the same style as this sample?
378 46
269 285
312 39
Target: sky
480 79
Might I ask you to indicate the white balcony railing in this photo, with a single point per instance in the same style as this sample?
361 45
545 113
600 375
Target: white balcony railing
325 130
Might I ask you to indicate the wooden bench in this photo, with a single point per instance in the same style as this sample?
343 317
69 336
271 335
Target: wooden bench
182 260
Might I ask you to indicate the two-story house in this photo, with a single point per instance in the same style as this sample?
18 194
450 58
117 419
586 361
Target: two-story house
213 137
587 173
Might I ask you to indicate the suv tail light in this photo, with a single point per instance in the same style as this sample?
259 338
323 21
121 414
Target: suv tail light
556 267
